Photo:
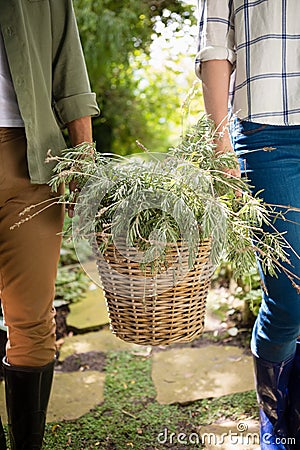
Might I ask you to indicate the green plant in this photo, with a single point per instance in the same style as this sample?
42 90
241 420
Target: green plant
117 39
68 254
247 288
71 281
70 286
250 290
153 201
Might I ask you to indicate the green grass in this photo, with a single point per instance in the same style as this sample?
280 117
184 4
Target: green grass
130 417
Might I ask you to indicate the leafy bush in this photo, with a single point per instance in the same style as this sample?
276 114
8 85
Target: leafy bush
71 284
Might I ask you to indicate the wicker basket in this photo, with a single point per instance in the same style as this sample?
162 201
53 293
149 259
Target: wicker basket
155 310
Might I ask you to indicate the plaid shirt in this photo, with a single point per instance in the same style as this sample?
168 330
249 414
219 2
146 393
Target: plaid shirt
261 39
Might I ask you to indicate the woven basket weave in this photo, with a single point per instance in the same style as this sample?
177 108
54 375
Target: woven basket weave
155 310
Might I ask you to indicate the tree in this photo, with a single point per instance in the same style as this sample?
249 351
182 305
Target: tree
117 39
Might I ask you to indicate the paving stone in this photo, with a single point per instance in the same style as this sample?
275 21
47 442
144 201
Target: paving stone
73 394
100 341
189 374
90 312
2 403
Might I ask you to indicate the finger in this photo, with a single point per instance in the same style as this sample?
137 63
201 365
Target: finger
73 185
234 173
70 209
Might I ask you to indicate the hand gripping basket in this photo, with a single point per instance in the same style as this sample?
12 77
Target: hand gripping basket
160 309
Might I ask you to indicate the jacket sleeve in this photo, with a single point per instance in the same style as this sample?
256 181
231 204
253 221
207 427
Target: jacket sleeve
72 96
216 32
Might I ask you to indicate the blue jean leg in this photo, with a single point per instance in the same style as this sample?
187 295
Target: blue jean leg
270 158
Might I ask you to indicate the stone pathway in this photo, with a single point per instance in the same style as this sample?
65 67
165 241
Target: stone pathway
180 375
74 394
90 312
188 374
100 341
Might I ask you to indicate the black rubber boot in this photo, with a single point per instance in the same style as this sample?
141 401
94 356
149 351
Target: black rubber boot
294 395
2 437
27 392
272 380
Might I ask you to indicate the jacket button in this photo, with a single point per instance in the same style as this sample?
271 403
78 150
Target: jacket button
9 31
19 81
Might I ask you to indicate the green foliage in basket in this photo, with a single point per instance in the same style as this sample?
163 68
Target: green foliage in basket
182 193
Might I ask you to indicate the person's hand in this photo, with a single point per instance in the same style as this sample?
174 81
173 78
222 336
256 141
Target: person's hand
235 173
223 145
73 185
80 131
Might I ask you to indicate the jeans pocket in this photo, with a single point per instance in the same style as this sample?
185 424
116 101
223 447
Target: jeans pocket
249 128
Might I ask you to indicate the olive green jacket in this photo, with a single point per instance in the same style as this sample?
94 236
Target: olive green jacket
49 74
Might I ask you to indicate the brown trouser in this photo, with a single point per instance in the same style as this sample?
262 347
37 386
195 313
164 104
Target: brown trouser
28 257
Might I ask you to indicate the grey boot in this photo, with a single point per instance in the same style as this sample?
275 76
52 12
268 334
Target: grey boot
27 394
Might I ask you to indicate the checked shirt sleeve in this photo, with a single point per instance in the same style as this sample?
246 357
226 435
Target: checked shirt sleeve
216 32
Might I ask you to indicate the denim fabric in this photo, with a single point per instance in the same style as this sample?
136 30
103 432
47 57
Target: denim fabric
270 158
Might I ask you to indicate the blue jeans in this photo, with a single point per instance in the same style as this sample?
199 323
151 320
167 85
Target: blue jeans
270 158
